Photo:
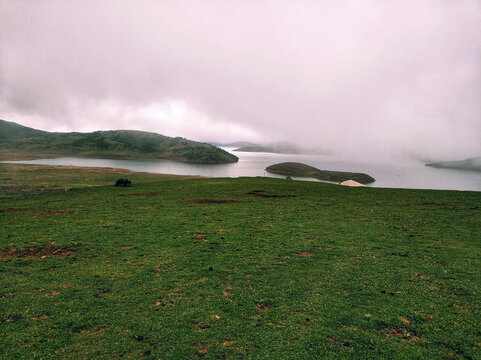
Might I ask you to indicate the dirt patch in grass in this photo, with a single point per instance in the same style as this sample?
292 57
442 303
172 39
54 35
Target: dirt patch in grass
205 201
263 307
401 332
13 210
36 252
48 213
305 254
340 342
14 190
264 194
202 350
12 318
139 194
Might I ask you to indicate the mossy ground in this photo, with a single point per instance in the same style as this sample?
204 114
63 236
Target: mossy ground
310 270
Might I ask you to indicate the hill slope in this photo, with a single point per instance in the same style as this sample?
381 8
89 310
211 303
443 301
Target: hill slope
298 169
21 142
473 164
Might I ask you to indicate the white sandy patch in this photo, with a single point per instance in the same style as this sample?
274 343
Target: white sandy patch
351 183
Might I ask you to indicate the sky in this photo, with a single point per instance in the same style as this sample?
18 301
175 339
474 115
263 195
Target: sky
384 78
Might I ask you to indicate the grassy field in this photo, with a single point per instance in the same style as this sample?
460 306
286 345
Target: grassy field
254 268
27 179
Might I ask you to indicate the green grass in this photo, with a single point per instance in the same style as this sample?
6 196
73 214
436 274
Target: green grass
28 179
301 270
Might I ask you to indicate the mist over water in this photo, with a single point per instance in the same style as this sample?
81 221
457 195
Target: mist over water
373 78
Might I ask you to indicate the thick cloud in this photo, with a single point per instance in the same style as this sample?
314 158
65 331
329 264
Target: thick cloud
384 77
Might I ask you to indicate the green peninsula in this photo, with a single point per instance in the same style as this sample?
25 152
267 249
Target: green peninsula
299 169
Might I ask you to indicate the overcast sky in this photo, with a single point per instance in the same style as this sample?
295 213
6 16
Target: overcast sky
381 77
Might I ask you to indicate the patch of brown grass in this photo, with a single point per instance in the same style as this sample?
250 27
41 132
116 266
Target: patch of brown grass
215 201
264 194
202 350
12 210
263 307
36 252
305 254
48 213
401 332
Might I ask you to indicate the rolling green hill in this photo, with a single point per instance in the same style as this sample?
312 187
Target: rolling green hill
299 169
20 142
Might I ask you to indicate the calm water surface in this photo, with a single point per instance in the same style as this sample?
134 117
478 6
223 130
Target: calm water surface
388 173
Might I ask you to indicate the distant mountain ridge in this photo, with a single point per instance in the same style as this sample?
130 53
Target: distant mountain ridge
18 142
231 144
281 147
473 164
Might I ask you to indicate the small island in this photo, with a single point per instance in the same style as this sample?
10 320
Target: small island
303 170
472 164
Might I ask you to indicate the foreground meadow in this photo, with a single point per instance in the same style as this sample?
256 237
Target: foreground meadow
234 268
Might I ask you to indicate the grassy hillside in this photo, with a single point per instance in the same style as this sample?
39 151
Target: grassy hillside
472 164
19 142
13 131
240 268
303 170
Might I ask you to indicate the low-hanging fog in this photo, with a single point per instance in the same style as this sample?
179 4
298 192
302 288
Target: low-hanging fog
400 78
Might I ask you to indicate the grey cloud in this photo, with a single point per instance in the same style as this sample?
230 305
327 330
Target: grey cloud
381 77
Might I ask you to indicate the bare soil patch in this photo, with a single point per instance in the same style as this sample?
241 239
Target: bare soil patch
36 252
335 341
402 332
12 318
205 201
13 210
305 254
264 194
263 307
48 213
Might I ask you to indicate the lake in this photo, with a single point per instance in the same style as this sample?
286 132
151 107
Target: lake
387 172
